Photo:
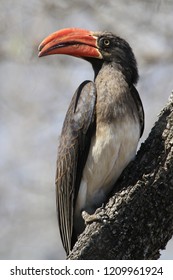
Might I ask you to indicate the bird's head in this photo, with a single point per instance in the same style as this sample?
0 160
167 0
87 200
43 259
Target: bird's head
96 47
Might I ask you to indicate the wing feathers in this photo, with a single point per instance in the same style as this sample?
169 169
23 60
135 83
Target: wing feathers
138 102
72 154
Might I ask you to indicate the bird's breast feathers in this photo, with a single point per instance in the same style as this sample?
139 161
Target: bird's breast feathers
112 148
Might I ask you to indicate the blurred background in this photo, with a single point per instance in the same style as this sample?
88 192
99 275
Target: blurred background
35 93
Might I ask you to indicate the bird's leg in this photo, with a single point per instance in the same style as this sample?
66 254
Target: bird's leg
100 217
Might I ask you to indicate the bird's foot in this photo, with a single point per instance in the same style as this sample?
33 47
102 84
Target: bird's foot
96 217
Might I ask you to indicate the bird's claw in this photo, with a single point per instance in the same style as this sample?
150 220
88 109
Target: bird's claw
99 217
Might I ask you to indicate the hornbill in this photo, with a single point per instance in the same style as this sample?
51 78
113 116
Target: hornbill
102 127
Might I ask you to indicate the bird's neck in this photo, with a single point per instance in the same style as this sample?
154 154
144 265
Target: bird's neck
112 91
112 74
96 63
130 73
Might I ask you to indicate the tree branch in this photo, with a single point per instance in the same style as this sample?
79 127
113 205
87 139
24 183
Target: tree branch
140 212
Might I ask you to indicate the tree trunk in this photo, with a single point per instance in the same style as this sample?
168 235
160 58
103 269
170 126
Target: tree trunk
137 221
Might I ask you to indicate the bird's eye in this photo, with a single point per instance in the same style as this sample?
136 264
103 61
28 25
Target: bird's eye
106 42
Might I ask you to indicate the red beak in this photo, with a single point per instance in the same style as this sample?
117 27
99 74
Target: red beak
71 41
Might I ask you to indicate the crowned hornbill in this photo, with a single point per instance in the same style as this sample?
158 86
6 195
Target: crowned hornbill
102 126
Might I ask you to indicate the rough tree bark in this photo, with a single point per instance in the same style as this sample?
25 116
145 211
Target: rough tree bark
138 218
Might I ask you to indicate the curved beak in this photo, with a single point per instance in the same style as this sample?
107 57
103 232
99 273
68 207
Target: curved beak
71 41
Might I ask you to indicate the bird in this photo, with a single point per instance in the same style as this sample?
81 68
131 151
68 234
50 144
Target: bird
102 126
